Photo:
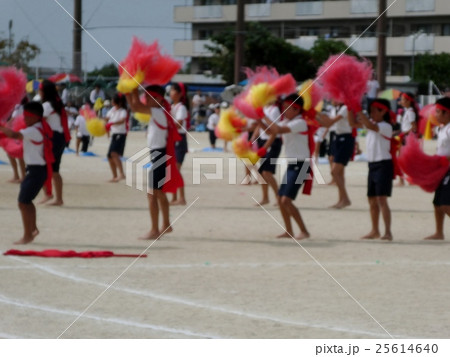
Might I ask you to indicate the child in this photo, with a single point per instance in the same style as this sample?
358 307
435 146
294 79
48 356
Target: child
180 113
344 145
381 168
293 130
213 120
441 200
83 136
117 125
160 133
56 117
37 155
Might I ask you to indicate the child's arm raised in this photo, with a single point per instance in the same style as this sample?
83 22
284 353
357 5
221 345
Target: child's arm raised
364 120
135 103
11 133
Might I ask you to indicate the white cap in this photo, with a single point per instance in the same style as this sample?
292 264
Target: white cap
106 102
224 104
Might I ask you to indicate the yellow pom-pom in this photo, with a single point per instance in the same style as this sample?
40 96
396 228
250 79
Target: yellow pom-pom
242 148
127 84
98 104
225 129
261 94
96 127
318 108
305 93
143 118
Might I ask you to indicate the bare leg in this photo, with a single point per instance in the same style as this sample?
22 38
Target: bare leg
386 213
331 161
77 146
118 164
265 195
154 214
338 172
286 218
28 212
374 218
270 179
182 200
22 168
58 184
16 178
164 208
295 213
439 216
112 165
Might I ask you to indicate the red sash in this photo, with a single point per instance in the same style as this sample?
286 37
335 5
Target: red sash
307 187
65 125
47 135
395 146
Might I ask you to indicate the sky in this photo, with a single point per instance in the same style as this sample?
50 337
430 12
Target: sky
112 23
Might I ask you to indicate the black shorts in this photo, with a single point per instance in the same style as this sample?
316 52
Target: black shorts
269 164
157 172
293 179
343 148
331 146
59 144
379 182
181 148
85 143
117 144
442 195
32 183
212 137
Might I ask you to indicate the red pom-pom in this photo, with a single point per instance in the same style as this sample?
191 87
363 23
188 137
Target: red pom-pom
108 126
262 152
344 79
423 170
12 90
284 85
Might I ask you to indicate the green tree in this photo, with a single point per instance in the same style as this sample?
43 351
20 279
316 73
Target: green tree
433 67
108 70
261 48
21 54
323 49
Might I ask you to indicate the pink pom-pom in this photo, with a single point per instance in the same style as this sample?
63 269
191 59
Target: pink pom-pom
247 110
344 79
284 85
423 170
262 74
148 59
12 90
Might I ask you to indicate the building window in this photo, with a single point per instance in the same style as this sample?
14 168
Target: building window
446 30
425 28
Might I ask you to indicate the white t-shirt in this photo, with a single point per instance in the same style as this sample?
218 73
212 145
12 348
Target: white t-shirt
115 115
197 100
179 112
94 95
296 144
33 154
443 142
53 118
408 118
372 88
342 126
378 144
213 120
157 130
80 123
272 112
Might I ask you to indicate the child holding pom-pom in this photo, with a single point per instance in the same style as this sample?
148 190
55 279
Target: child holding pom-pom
38 157
117 125
294 131
441 200
381 168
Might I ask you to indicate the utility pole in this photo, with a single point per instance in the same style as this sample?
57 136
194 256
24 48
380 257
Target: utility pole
239 42
10 25
77 30
381 34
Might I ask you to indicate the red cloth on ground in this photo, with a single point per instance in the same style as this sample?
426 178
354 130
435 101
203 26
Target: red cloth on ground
55 253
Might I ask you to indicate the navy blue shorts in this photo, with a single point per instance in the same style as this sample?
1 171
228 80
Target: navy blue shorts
32 183
379 182
117 144
181 148
271 157
343 148
59 144
157 172
442 195
293 179
331 146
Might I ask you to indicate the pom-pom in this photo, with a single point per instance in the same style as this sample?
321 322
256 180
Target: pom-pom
311 95
12 89
229 125
12 147
145 64
143 118
423 170
427 120
17 123
96 127
98 104
244 149
344 79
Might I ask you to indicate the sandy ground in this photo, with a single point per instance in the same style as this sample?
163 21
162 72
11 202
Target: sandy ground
221 273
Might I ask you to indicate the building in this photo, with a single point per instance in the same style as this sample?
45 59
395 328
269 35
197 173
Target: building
414 26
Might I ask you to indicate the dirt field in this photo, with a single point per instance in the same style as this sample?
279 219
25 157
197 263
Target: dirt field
221 273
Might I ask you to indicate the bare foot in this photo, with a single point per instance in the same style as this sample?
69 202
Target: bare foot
167 229
262 203
35 233
285 235
371 235
45 199
341 204
152 235
331 183
55 203
120 178
15 180
387 237
435 236
113 180
178 203
25 240
302 235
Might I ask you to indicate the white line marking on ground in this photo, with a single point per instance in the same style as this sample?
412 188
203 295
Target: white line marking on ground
200 305
8 301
